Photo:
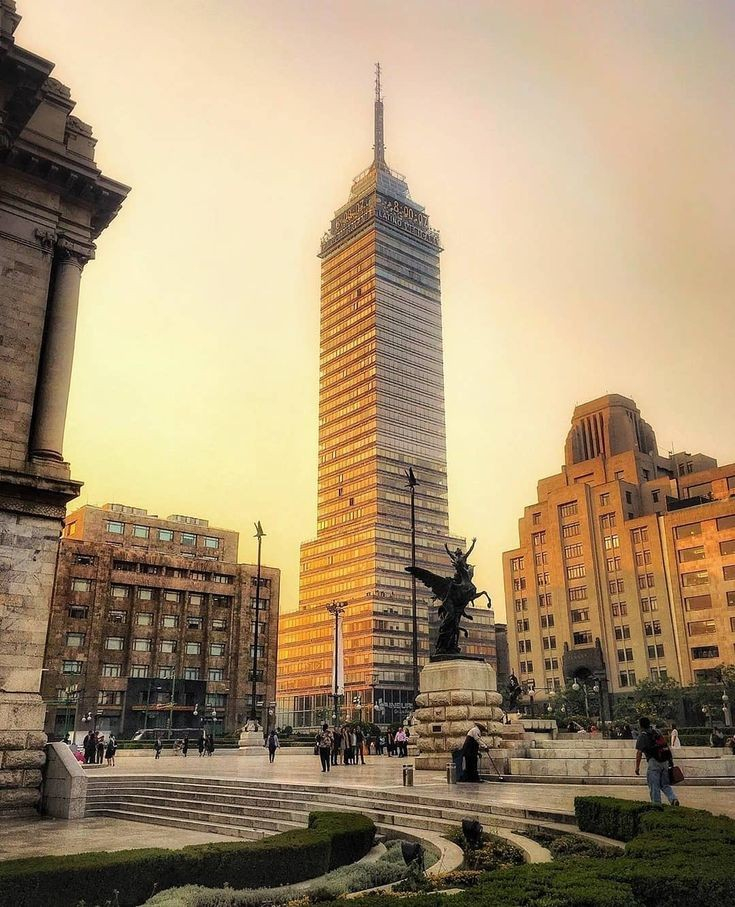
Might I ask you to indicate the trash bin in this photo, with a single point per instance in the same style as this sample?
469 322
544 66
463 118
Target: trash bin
458 762
451 773
408 776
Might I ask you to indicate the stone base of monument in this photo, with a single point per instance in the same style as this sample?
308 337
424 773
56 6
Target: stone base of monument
251 739
454 693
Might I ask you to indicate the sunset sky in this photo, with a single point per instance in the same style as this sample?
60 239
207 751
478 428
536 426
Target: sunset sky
577 157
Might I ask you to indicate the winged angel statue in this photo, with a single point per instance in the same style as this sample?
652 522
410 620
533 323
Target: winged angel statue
456 593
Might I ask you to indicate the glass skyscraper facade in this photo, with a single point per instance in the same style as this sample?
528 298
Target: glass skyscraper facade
381 410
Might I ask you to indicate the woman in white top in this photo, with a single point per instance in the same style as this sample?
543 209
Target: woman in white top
675 742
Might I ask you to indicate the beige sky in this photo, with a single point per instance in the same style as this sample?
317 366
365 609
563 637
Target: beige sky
578 158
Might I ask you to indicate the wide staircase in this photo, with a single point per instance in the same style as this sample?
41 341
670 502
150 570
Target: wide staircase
586 760
251 809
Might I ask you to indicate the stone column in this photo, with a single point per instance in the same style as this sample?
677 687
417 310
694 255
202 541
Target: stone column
57 354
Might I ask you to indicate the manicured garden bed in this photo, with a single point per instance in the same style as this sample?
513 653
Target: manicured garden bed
331 840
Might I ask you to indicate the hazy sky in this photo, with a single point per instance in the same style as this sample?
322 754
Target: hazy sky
577 157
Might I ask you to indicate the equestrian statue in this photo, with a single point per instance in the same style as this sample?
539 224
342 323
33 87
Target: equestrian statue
455 594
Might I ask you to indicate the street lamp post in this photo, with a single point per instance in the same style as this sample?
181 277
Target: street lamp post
576 688
336 608
726 712
412 483
253 712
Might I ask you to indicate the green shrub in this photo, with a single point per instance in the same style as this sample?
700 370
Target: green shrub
459 878
565 846
610 816
495 853
64 881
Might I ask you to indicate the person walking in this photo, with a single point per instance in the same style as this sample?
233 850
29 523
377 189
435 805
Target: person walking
158 746
89 745
473 743
111 750
100 748
380 744
653 746
401 741
185 747
200 744
359 745
210 745
272 743
336 745
674 742
324 742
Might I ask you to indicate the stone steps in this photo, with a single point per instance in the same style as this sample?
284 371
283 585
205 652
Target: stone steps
249 810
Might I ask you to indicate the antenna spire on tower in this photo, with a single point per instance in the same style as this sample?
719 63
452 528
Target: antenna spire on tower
379 146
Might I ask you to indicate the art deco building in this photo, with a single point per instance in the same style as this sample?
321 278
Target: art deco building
626 563
381 410
54 203
152 625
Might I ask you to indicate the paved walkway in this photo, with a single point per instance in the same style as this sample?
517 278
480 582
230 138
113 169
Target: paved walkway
29 837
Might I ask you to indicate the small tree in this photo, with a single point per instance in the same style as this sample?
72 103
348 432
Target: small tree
659 700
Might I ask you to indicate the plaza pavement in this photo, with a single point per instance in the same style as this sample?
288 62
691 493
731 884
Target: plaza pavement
28 837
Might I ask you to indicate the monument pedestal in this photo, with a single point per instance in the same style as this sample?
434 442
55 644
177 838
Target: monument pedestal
453 695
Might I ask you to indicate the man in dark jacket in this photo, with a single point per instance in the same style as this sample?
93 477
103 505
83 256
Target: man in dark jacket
651 744
473 743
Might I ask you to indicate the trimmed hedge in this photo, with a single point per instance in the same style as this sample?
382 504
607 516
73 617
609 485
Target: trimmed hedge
331 840
611 817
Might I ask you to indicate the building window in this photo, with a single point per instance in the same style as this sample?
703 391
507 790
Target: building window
144 619
622 632
109 697
605 499
577 594
115 643
85 560
691 554
611 541
547 620
145 595
655 495
619 609
193 648
728 573
222 578
165 535
703 490
613 564
656 651
522 626
542 579
539 538
111 670
142 645
225 600
705 652
519 583
687 531
639 535
165 672
569 509
521 604
607 520
536 518
219 624
576 571
643 558
627 678
582 638
573 550
117 617
652 628
625 655
211 542
71 667
75 640
170 621
171 595
141 532
191 673
199 576
214 675
168 646
119 591
570 530
138 670
701 627
115 527
217 649
80 585
727 547
188 538
699 578
549 642
616 586
78 612
649 604
580 615
516 564
698 603
193 623
151 569
730 596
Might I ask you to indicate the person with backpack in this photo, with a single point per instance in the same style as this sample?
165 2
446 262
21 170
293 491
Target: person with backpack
324 743
652 744
272 743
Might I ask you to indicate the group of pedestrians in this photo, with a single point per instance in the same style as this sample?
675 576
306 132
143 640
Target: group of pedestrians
205 746
348 745
96 748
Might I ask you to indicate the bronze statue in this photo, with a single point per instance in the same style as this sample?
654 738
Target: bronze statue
456 593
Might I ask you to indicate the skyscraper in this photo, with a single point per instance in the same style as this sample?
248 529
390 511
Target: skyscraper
381 410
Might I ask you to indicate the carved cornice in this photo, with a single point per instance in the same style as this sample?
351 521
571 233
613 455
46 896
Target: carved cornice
35 494
72 252
46 240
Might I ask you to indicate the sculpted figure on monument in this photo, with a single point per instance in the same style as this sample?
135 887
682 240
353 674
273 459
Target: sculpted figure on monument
455 593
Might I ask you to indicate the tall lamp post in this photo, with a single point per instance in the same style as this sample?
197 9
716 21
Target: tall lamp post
336 609
412 483
253 712
595 689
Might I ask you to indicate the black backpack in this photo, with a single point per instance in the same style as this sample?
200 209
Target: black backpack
658 748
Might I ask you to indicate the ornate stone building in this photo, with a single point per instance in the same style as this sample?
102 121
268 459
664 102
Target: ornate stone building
381 410
626 563
54 203
153 625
